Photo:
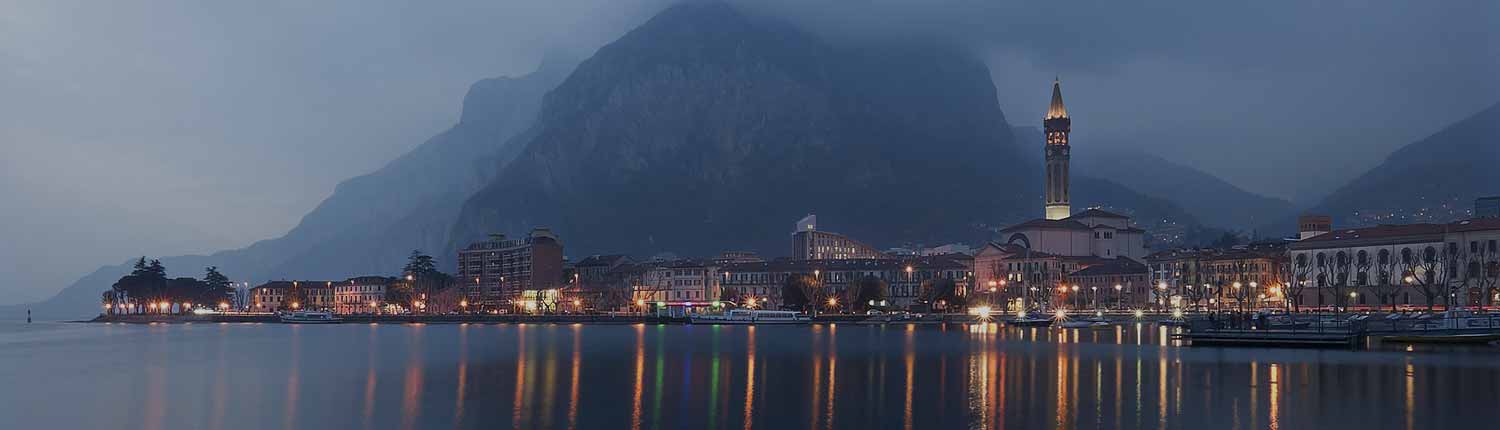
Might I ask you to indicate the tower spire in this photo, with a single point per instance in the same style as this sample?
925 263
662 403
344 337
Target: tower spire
1058 125
1057 110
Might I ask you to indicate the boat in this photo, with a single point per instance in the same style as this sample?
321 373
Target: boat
1023 320
750 316
309 317
1086 323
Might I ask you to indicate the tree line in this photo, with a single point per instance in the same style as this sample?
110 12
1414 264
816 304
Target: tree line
148 289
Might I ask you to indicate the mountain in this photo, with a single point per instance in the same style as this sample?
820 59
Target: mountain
706 129
1210 200
370 223
1432 180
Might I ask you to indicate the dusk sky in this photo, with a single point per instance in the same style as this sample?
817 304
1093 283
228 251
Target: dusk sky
168 127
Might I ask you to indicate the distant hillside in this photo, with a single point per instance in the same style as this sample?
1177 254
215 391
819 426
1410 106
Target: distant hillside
370 223
1433 179
1209 199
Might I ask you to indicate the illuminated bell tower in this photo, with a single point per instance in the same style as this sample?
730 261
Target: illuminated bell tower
1057 125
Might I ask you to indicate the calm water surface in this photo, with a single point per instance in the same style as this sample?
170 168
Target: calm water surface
257 376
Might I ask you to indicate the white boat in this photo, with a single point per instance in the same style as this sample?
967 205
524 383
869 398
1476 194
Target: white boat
1086 323
309 317
750 316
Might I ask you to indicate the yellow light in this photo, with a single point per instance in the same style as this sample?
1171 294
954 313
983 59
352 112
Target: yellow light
833 301
1177 313
1138 313
223 305
577 302
296 305
372 304
1060 314
641 303
463 303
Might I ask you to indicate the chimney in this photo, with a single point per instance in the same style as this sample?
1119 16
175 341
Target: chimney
1313 225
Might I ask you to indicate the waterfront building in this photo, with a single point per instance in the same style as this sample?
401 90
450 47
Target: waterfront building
904 278
1119 283
1411 265
683 282
497 272
360 295
287 295
1243 276
810 244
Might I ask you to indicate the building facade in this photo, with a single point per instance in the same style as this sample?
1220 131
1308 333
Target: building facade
360 295
761 283
810 244
277 296
1244 276
498 271
1409 265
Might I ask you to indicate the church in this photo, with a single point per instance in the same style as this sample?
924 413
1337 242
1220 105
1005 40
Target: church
1062 244
1091 233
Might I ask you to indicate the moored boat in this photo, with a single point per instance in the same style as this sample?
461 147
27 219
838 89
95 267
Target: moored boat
309 317
751 316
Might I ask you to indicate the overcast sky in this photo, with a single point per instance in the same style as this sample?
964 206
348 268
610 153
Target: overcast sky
167 127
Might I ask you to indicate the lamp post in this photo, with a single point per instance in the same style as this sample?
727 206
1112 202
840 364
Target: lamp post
1119 297
1161 296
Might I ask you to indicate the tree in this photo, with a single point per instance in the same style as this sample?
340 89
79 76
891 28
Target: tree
216 286
419 264
400 293
1386 285
1422 268
866 290
1293 274
941 292
799 291
1333 273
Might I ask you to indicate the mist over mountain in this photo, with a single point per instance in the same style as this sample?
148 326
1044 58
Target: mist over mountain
706 129
1435 179
371 223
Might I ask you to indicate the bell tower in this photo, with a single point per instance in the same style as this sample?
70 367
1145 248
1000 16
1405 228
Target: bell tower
1057 125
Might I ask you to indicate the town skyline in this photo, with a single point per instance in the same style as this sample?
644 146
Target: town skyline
36 280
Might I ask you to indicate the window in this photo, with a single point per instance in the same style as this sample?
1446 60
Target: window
1474 247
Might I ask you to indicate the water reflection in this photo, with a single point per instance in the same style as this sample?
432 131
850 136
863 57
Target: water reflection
983 376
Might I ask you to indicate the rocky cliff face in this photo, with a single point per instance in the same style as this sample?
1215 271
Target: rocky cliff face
705 129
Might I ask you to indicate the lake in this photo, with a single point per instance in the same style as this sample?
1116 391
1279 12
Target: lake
395 376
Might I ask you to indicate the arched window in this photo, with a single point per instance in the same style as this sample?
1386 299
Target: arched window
1429 255
1473 269
1362 258
1322 260
1384 257
1406 256
1301 260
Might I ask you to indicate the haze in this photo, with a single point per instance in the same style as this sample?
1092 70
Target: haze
169 127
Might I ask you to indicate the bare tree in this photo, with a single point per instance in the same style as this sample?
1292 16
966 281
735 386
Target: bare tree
1482 271
1386 285
1452 265
1333 273
1292 273
1422 271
